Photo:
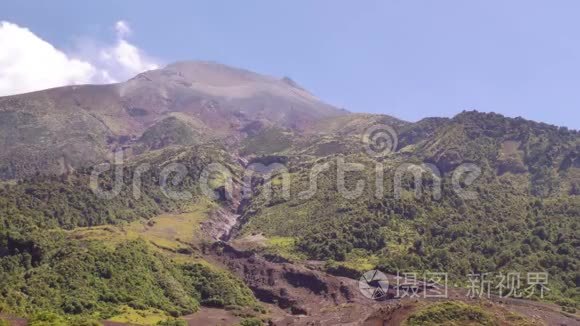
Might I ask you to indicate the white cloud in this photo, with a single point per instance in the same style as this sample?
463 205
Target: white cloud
29 63
122 28
125 58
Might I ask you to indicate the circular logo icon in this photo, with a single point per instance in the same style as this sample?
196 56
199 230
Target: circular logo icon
380 141
374 285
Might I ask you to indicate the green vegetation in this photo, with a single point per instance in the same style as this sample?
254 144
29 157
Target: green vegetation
284 247
173 234
172 322
520 222
148 316
73 277
251 322
136 270
268 141
67 201
452 313
167 132
504 230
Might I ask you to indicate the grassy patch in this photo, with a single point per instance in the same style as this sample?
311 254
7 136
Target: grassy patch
451 313
267 141
140 317
287 243
170 232
360 260
285 247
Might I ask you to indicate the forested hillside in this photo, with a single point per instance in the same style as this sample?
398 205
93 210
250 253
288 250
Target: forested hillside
524 216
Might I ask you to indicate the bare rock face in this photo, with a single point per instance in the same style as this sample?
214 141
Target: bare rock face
279 282
219 224
304 296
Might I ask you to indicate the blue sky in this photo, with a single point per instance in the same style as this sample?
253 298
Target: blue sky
407 58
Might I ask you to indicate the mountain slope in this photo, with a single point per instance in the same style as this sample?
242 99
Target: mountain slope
524 217
56 130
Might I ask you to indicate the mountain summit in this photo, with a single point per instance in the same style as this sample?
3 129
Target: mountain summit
67 127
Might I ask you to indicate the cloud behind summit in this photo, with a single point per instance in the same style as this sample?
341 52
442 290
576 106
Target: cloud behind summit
29 63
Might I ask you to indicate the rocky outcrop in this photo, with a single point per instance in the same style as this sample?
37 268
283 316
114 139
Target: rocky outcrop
293 288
